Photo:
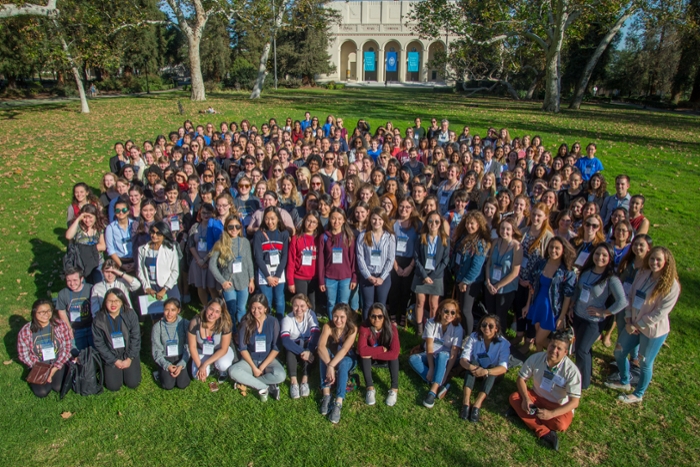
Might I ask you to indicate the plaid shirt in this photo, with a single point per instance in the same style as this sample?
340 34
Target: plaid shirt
29 355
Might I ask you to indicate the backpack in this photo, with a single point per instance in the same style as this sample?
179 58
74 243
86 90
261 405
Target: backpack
89 376
72 258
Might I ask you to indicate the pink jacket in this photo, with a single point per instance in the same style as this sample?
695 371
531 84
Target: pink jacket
652 318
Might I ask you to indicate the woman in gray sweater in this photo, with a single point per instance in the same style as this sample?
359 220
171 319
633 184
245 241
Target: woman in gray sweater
169 346
599 294
231 264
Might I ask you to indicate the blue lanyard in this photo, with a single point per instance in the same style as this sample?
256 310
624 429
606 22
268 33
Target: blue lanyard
432 246
165 325
500 257
111 322
591 274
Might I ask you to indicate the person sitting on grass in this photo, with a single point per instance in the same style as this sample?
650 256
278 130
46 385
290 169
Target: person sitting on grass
443 341
549 406
379 342
300 334
209 341
169 347
485 357
337 358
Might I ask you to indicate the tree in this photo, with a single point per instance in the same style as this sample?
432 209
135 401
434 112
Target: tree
28 9
216 50
277 14
690 54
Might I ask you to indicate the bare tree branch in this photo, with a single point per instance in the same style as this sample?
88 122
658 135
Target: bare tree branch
29 9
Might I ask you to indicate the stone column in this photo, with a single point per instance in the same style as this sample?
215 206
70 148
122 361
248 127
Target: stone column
381 65
360 65
402 65
424 65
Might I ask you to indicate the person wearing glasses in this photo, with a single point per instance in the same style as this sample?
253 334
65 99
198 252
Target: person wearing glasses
441 348
118 237
379 343
589 235
231 264
549 406
159 263
485 357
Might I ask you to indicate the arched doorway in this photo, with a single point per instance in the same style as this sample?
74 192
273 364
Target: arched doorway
435 74
392 53
369 70
348 61
414 61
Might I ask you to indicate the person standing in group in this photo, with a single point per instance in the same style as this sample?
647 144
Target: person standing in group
300 333
270 250
406 228
337 274
502 271
169 347
159 263
301 264
431 259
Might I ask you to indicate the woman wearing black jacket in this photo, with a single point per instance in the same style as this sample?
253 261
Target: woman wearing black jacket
117 338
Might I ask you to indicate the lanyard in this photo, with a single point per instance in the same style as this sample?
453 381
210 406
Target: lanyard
301 334
165 325
374 243
432 246
500 257
111 323
268 238
238 247
592 274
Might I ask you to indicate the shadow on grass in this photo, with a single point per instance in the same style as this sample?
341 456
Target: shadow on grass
46 265
15 323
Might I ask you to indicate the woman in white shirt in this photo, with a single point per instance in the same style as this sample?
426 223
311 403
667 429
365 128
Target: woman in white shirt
299 334
485 356
159 263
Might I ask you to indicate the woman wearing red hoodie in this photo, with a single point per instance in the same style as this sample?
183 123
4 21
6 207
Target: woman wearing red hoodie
379 342
301 264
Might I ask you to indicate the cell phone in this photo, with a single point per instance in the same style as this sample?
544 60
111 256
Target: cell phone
533 409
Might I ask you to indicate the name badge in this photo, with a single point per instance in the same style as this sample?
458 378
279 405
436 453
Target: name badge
237 266
627 286
174 223
559 380
117 340
581 259
375 258
152 272
591 197
444 198
74 315
484 360
337 256
639 299
523 264
48 352
585 294
260 343
307 257
202 244
274 258
496 274
458 259
171 348
208 347
126 240
430 263
547 381
401 244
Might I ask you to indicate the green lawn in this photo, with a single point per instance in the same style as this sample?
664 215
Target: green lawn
46 149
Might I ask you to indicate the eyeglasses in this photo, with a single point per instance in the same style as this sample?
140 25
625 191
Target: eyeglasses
315 183
43 312
207 176
220 179
233 227
122 211
155 232
592 226
488 326
450 312
434 222
244 186
373 317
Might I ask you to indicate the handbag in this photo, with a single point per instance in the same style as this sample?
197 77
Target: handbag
39 374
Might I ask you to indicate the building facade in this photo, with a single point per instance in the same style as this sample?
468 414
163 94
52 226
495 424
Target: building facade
373 42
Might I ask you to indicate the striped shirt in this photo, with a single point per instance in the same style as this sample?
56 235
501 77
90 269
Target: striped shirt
385 249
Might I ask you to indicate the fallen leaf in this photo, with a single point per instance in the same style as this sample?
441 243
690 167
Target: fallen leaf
7 362
66 415
119 413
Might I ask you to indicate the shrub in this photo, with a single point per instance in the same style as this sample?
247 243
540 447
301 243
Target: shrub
290 83
65 90
213 86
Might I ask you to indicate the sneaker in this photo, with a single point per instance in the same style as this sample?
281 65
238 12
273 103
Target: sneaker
391 398
552 440
156 376
294 391
429 400
618 386
304 389
222 377
443 391
274 391
474 416
325 404
629 398
464 413
263 395
335 413
511 412
371 397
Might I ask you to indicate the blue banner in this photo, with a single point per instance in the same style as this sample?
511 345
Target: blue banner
391 61
369 61
413 61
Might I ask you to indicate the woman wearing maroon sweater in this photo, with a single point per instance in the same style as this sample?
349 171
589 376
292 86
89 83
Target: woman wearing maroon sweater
379 341
337 274
301 263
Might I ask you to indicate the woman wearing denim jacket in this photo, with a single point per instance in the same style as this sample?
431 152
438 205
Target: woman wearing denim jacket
470 252
545 305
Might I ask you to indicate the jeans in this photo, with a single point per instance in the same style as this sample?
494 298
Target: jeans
338 291
419 363
372 294
355 298
82 338
649 348
242 373
342 372
275 297
587 333
236 301
620 318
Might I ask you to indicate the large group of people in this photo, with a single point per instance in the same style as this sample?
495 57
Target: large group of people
269 228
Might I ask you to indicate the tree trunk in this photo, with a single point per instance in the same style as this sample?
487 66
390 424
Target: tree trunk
198 93
84 108
262 71
533 87
552 87
695 93
593 61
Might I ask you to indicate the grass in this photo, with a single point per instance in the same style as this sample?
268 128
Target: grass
46 149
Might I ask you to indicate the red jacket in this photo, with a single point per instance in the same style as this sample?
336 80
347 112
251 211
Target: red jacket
366 345
295 270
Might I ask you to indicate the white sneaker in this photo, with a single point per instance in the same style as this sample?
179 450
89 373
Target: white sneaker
371 397
294 391
391 398
263 395
305 390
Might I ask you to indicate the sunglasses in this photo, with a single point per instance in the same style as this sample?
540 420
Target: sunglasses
593 226
488 326
434 222
207 176
123 211
155 232
221 179
277 171
233 227
450 312
244 186
373 317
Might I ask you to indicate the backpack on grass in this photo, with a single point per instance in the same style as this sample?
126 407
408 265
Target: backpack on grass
88 377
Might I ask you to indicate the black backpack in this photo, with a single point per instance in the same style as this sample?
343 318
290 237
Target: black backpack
72 258
88 377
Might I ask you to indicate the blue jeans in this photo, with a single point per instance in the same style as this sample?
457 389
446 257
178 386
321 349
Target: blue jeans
275 297
342 372
337 291
620 319
82 338
236 301
649 348
419 363
355 298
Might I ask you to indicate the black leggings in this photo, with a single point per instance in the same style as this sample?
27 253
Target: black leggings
308 288
400 294
129 377
499 305
486 382
523 324
168 382
466 301
366 364
292 362
43 390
